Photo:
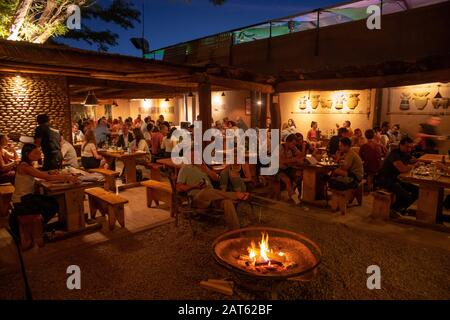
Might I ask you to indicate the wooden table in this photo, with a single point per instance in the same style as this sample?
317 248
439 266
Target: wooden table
129 163
168 163
70 199
313 187
428 158
431 196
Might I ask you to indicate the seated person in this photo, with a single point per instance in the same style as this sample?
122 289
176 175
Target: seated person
139 144
195 179
399 161
125 138
358 139
303 146
68 153
77 134
148 134
290 156
347 125
312 135
371 154
25 201
234 176
333 145
168 143
8 160
90 159
350 172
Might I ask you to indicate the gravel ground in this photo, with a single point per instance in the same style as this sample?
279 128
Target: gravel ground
168 263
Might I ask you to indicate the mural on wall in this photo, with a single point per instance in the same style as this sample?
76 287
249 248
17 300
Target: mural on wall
329 100
428 98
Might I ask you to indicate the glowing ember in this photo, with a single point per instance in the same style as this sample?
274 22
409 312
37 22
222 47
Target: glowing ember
263 259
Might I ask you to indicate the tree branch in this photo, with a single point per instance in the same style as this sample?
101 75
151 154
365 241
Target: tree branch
19 17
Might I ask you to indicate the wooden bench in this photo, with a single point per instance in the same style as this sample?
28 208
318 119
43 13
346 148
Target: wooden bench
108 204
381 207
6 192
30 228
155 173
341 198
110 178
158 191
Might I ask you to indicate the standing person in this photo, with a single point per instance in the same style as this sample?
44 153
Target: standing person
68 153
8 160
372 153
125 138
157 138
90 159
350 172
49 140
380 137
399 161
25 201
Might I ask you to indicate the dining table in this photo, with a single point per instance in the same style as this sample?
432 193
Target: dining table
70 197
129 164
429 158
175 167
313 184
431 195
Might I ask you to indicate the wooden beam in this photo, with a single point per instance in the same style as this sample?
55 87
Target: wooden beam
405 79
234 83
204 100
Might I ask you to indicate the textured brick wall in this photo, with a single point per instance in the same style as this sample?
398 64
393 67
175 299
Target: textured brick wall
23 97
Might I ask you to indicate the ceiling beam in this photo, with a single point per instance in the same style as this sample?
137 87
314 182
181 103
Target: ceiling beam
234 83
365 83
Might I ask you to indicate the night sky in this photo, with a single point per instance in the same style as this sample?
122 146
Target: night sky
168 22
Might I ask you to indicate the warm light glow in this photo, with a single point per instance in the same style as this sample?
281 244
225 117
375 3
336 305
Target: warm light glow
259 102
147 104
263 253
217 100
19 88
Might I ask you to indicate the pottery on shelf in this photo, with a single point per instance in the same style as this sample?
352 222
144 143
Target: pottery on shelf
420 99
315 101
404 101
353 100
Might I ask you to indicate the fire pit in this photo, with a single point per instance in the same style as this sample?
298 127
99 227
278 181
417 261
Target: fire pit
267 255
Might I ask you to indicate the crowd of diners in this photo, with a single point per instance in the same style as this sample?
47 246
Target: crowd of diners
383 152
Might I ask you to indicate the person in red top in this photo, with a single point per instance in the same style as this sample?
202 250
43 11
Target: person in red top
157 138
137 122
372 153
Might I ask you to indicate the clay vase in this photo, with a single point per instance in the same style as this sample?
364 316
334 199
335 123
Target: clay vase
339 103
404 101
326 103
302 103
440 102
315 101
421 100
353 100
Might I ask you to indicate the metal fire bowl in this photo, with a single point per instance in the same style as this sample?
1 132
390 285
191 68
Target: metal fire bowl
298 248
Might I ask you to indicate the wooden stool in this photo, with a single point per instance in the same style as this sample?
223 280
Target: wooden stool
110 178
30 227
382 201
341 198
108 204
158 191
6 192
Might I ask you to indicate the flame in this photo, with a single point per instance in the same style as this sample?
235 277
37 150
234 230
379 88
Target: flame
263 253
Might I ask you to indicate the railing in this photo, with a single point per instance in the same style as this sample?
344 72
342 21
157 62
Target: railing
204 48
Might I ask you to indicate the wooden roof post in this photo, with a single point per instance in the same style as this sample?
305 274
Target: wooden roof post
204 100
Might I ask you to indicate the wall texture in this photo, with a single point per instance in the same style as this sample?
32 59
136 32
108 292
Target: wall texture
23 97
